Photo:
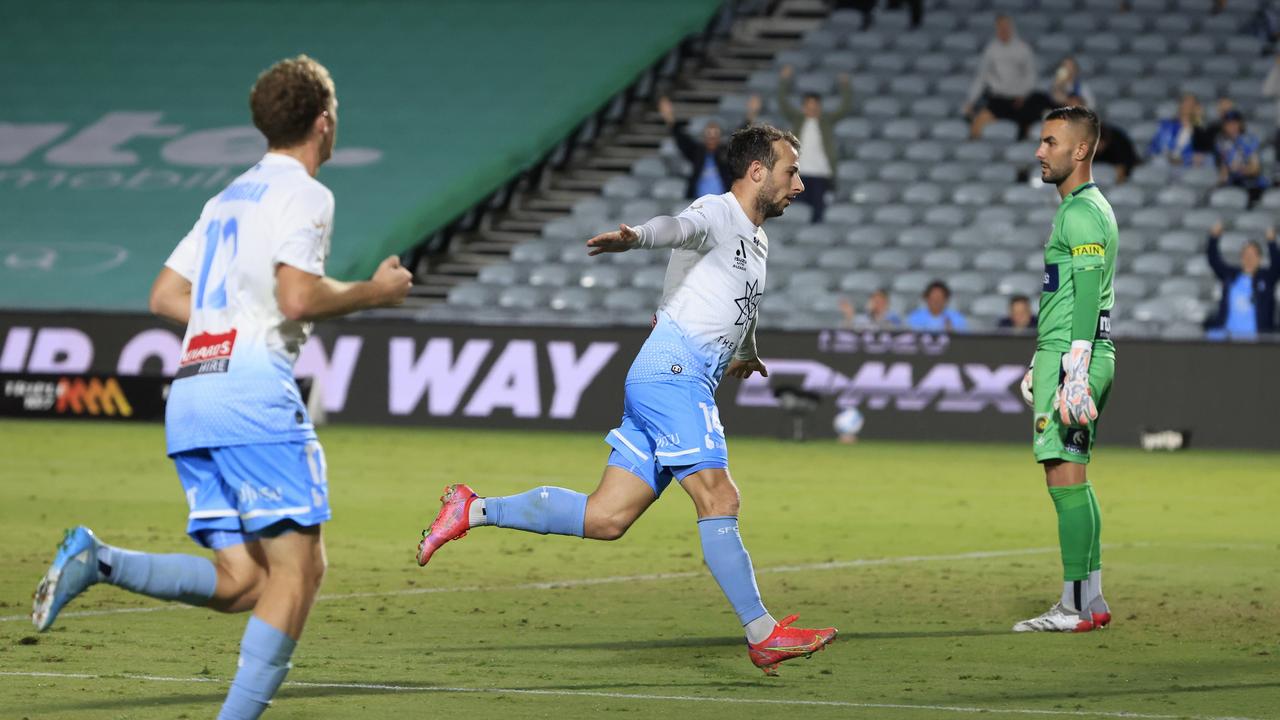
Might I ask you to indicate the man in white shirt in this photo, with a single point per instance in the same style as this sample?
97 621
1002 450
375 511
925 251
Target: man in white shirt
670 425
247 281
1004 87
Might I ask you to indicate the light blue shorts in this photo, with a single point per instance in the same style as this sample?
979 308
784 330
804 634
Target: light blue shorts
669 429
238 493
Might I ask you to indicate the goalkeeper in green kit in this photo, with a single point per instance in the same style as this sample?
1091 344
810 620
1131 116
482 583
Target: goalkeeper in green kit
1070 375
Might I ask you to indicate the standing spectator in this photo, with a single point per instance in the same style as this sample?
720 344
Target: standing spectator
1239 157
1175 138
1271 88
877 317
934 315
819 152
711 174
1067 84
1004 87
1248 302
1020 318
1115 148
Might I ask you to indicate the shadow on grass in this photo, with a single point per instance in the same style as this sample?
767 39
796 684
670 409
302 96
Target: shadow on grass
658 644
709 642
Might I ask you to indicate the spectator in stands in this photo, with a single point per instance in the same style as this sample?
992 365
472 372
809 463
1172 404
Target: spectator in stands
1207 141
819 152
1271 88
1020 318
711 174
1175 138
934 315
1239 157
1266 26
877 317
1115 148
1248 303
1004 87
1068 85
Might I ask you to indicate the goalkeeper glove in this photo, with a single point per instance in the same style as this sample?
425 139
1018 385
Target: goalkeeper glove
1026 384
1074 403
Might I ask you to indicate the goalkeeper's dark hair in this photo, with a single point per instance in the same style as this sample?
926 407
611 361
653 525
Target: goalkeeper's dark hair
287 99
1082 117
755 143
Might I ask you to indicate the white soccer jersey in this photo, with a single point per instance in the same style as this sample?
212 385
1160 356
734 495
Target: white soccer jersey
234 384
711 296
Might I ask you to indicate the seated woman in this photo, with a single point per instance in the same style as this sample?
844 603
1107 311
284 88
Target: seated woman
1174 140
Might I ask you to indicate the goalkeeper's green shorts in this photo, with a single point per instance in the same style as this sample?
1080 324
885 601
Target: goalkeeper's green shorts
1051 439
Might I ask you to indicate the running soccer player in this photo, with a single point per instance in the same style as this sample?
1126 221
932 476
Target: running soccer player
704 329
247 281
1075 361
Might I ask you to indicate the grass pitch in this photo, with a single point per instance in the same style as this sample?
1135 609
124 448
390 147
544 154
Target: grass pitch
922 554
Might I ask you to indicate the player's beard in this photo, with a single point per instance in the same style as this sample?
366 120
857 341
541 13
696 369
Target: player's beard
766 203
1054 176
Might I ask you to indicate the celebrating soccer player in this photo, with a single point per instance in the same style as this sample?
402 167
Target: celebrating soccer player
247 281
705 328
1071 372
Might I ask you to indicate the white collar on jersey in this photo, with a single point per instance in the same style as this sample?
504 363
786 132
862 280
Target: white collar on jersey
740 217
274 158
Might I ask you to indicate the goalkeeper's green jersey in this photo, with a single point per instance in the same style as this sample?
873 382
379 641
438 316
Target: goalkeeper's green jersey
1084 240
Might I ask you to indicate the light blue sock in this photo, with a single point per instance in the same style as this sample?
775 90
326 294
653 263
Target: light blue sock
731 565
541 510
264 661
185 578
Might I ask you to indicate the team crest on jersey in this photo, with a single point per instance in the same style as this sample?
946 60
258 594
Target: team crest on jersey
1042 422
749 303
207 353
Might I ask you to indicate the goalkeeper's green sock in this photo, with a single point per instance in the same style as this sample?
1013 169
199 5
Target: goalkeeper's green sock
1095 554
1094 593
1075 538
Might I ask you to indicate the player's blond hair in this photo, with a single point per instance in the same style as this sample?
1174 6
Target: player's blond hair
288 97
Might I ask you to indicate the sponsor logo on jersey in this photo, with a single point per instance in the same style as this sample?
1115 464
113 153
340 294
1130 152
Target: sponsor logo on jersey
207 353
1050 278
93 397
1090 249
1077 441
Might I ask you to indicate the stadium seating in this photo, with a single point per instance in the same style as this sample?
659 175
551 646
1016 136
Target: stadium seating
917 199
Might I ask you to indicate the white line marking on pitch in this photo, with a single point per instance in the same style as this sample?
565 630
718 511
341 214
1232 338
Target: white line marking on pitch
589 582
639 696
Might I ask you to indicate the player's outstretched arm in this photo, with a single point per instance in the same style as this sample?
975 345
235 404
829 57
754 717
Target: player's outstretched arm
688 231
304 296
620 240
171 296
